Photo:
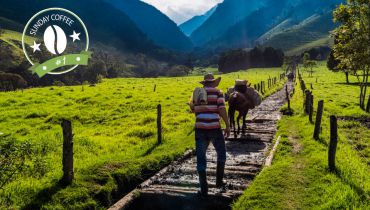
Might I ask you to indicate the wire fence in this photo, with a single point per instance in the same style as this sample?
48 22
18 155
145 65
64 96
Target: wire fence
351 171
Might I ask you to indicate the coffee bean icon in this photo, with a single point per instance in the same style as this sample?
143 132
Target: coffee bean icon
55 39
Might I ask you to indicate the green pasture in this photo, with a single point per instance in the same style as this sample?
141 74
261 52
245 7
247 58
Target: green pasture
114 125
299 176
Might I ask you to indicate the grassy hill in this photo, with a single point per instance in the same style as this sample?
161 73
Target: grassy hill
312 32
11 47
323 42
115 136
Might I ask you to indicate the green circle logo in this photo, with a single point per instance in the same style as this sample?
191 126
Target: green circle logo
55 41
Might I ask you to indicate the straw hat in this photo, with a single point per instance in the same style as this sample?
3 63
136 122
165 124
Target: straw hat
209 78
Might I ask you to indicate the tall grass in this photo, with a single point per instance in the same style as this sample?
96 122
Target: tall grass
114 125
299 177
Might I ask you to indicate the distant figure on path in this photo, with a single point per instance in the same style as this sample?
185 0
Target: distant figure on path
208 104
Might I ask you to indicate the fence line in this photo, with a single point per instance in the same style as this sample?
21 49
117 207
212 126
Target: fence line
308 109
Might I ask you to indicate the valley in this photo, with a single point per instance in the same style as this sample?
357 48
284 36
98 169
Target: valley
131 140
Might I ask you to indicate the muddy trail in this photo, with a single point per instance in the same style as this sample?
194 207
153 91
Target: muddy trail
176 186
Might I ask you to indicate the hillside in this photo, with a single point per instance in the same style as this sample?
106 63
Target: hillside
157 26
227 14
123 34
11 53
245 32
121 48
312 29
189 26
280 24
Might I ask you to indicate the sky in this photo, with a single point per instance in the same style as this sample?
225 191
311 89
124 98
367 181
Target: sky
182 10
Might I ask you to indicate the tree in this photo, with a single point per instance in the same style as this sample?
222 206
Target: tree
10 82
238 59
93 72
308 64
190 64
353 41
332 64
178 70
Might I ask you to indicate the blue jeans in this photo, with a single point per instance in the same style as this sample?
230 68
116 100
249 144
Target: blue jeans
202 139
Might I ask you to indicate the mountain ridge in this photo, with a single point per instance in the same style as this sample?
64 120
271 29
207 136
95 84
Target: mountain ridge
152 22
222 19
273 19
195 22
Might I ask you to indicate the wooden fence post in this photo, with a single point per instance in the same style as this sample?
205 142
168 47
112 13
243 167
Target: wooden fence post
261 86
311 108
333 142
307 102
155 87
303 86
159 123
287 96
320 109
67 161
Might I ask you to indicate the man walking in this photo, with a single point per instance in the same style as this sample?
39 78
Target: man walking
208 129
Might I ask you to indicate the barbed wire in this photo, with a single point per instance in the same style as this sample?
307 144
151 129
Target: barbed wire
354 147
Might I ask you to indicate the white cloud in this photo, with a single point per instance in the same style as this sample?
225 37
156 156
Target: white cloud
182 10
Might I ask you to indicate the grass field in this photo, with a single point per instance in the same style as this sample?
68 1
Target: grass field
299 178
115 146
323 42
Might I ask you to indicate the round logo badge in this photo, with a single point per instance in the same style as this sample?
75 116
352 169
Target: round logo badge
55 41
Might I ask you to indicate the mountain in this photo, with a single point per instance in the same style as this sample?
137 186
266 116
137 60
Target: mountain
123 34
115 40
157 26
189 26
247 30
312 29
227 14
284 24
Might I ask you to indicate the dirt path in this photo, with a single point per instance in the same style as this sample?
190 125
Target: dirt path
175 186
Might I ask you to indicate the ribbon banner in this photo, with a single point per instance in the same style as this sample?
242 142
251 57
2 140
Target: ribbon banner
61 61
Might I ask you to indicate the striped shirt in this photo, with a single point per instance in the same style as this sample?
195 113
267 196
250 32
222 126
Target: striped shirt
207 116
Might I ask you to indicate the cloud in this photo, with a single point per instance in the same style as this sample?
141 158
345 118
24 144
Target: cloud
181 10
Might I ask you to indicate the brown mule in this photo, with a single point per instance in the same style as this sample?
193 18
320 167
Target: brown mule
241 103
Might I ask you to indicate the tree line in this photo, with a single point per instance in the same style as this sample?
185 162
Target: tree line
238 59
107 63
